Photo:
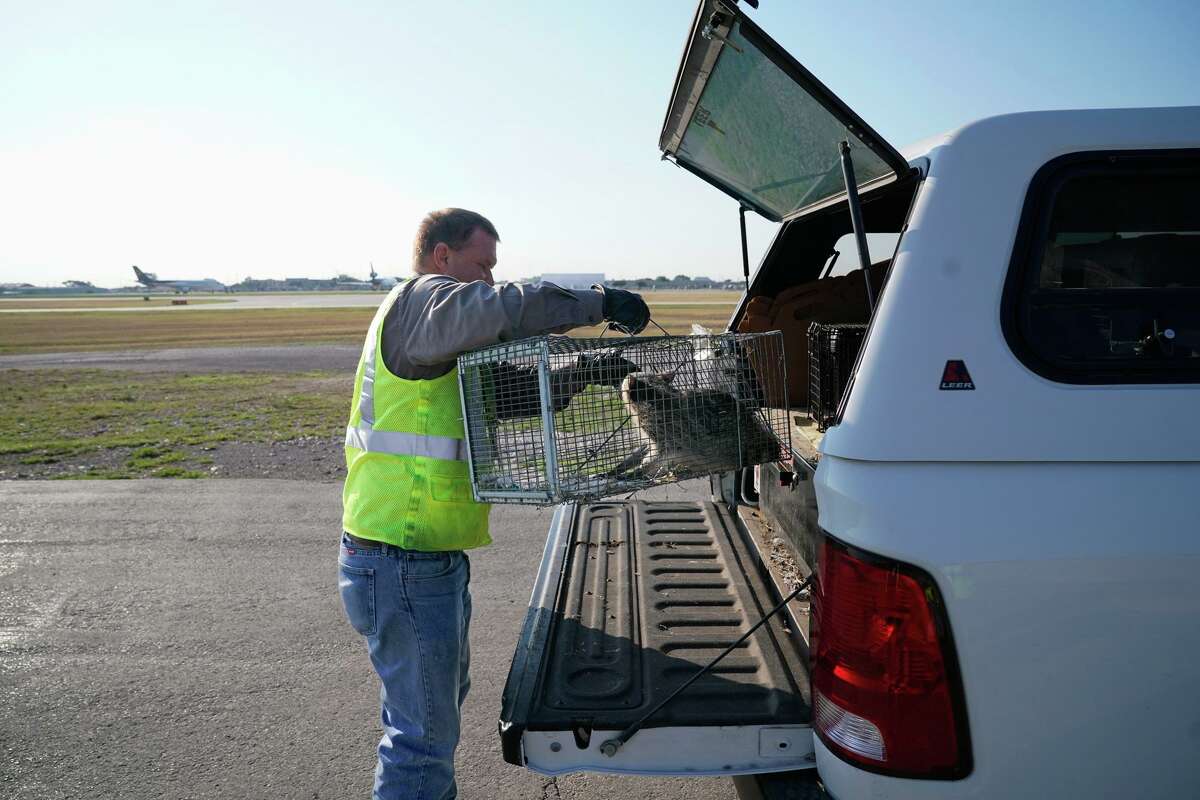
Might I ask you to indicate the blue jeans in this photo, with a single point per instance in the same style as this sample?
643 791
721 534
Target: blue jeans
414 609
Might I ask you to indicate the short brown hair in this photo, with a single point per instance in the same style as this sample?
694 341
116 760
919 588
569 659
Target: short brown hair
452 226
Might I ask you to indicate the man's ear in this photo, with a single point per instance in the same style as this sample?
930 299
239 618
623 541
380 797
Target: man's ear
440 257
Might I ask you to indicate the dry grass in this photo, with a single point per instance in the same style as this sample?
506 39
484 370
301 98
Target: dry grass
694 297
104 330
116 330
677 319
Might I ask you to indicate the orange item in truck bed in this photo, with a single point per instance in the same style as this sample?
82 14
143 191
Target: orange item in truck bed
840 299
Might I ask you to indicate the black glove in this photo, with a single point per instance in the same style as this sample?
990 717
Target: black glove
627 311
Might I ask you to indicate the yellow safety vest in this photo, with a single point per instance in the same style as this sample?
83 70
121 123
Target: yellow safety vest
407 480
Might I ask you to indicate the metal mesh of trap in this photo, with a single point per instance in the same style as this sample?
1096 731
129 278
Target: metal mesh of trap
552 419
832 351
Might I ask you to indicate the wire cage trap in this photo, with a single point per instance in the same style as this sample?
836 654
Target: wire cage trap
832 352
553 419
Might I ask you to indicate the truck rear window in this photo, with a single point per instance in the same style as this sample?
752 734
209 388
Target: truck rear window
1105 281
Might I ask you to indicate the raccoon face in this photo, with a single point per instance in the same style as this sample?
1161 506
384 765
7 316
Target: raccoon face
645 388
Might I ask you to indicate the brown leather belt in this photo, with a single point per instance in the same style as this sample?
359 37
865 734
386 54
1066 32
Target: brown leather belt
364 542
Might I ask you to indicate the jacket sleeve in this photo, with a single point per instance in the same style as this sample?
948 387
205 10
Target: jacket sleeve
447 317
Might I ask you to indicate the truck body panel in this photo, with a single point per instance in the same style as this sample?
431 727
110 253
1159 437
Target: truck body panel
943 301
1072 595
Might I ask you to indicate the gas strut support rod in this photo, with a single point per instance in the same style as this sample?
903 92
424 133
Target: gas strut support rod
745 253
856 220
611 746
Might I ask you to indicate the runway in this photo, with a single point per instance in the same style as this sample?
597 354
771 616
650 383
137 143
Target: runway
185 639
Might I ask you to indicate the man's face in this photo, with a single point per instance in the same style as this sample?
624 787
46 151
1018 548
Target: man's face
473 261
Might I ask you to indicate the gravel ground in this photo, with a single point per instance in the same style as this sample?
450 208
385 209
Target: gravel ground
310 458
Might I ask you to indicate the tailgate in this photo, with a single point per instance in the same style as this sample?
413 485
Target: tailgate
631 599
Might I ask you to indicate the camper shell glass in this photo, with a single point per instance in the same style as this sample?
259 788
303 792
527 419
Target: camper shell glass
749 119
1104 285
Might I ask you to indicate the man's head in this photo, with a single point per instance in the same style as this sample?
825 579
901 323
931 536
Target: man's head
457 243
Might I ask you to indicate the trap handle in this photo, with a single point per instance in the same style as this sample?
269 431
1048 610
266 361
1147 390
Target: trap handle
613 327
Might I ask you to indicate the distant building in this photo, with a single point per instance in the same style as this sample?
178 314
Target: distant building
573 280
30 290
308 284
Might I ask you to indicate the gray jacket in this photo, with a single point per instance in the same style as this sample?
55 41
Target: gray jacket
436 317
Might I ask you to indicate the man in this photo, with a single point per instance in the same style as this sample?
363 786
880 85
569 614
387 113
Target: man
408 512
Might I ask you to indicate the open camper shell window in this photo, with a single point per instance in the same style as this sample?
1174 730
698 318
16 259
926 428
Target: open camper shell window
751 120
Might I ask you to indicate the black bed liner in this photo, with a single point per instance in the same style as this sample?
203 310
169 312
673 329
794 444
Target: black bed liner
632 598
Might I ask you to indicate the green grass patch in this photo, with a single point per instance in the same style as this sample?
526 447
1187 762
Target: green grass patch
177 472
151 458
597 409
39 458
158 425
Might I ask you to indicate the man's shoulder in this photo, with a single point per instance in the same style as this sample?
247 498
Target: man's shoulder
429 278
421 287
424 287
419 283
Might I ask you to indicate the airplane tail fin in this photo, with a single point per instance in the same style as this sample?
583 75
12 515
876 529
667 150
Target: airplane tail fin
141 276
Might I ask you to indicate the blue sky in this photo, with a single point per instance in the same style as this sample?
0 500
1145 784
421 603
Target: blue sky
300 139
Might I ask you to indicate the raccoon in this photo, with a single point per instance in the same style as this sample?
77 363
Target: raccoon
690 432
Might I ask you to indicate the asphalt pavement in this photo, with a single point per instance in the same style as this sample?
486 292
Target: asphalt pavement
184 639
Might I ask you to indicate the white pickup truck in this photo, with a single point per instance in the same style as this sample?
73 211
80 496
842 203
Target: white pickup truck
1007 562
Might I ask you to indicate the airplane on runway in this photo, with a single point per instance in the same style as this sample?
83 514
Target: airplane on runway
375 282
381 283
152 281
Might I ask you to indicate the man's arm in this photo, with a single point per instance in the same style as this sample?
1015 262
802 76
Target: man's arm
444 317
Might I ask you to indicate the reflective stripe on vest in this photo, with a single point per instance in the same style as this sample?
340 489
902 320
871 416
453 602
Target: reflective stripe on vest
405 444
366 397
365 437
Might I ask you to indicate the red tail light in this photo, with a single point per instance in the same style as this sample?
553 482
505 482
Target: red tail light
886 691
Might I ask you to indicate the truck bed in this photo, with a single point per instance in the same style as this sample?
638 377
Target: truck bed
806 439
632 598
